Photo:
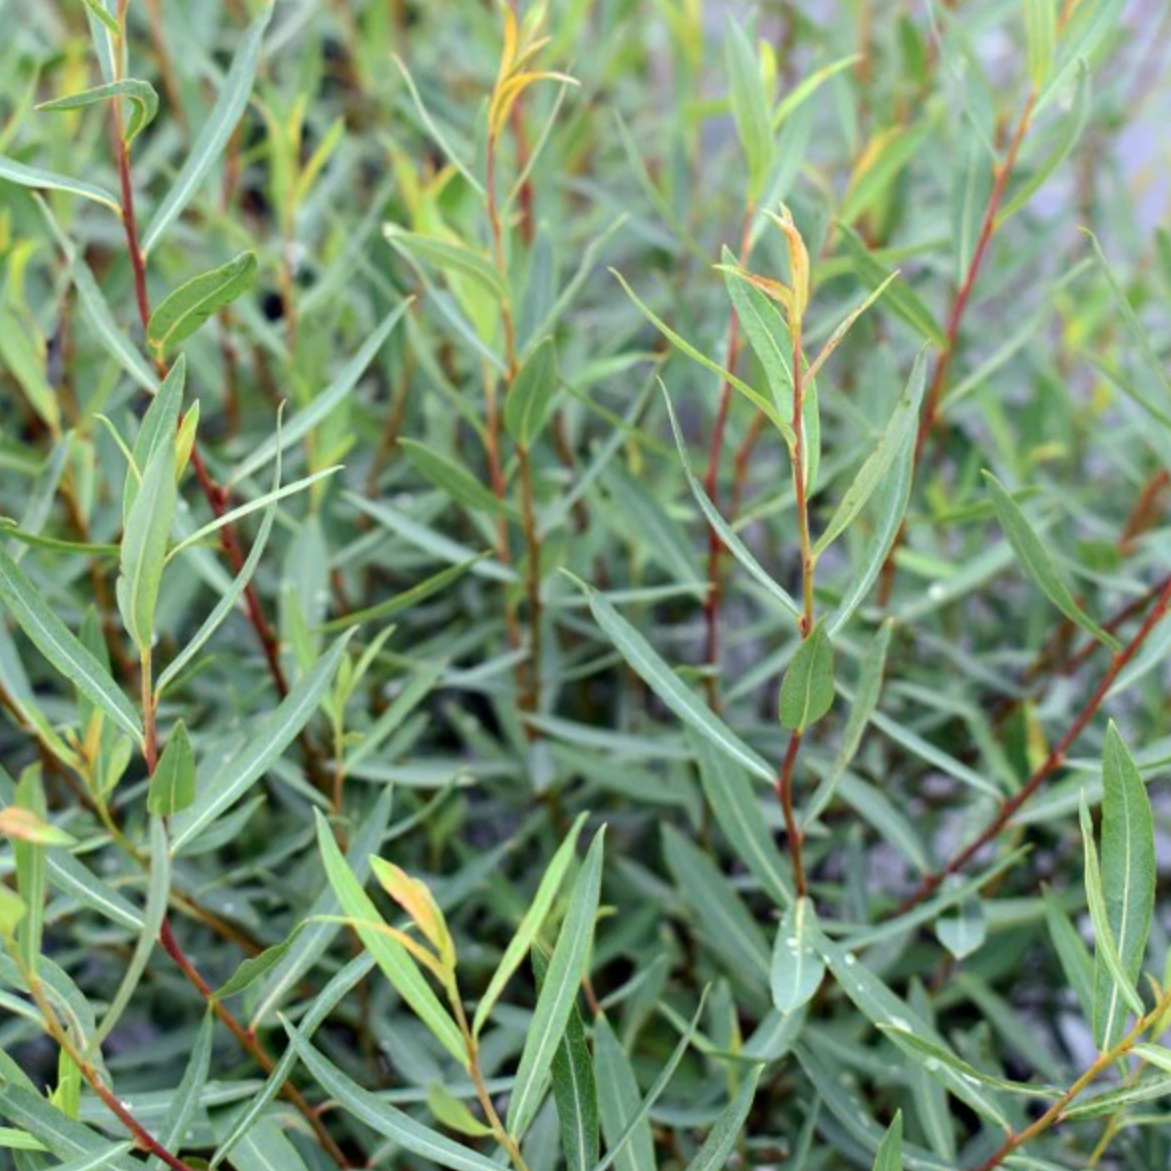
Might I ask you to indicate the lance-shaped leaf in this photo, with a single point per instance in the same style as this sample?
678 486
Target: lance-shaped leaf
448 257
669 687
721 1139
680 343
529 927
144 102
185 309
889 1156
532 391
396 964
215 132
1037 563
1129 875
380 1116
873 471
575 1089
559 994
41 180
750 108
61 647
1105 945
218 788
807 691
449 477
172 788
900 298
797 968
144 546
159 425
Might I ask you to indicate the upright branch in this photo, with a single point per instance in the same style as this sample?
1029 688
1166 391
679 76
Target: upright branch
711 602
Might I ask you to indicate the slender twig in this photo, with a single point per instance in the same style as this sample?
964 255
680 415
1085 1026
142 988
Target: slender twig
54 1028
499 1130
711 602
793 832
248 1042
1056 758
1100 1064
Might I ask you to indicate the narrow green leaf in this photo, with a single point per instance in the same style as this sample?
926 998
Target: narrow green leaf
41 180
864 706
750 108
214 134
1040 39
575 1090
454 1113
159 425
265 1147
530 925
1129 875
384 1118
808 86
807 690
903 421
753 396
181 1112
720 917
186 308
428 587
448 257
890 1151
449 477
617 1106
172 788
320 1007
618 1100
558 996
30 854
1105 946
893 497
144 546
529 398
669 687
1073 124
1037 563
144 102
797 969
721 1139
935 1057
396 964
157 895
61 647
254 967
223 787
896 154
1112 1101
730 794
900 297
1152 360
65 1137
1076 961
724 530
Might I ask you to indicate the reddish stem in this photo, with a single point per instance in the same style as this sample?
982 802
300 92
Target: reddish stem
1052 762
784 787
711 602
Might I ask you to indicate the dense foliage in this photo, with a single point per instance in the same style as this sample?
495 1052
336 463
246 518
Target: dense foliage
583 584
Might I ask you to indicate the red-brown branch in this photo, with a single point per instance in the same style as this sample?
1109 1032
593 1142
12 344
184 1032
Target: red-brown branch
1056 758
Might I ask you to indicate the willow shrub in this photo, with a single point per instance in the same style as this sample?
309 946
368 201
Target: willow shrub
582 586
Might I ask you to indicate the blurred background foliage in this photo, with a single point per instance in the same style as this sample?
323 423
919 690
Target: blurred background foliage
496 467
